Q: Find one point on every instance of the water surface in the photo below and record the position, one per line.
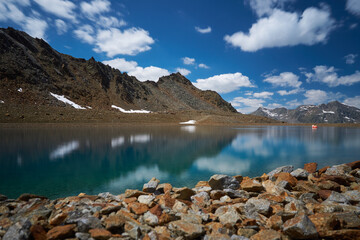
(61, 161)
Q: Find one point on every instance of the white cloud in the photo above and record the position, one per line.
(203, 30)
(353, 6)
(352, 26)
(188, 61)
(9, 11)
(329, 76)
(246, 105)
(285, 79)
(354, 101)
(319, 96)
(202, 65)
(35, 27)
(282, 29)
(224, 83)
(61, 26)
(350, 58)
(266, 7)
(183, 71)
(95, 7)
(315, 97)
(107, 22)
(263, 94)
(60, 8)
(127, 42)
(85, 33)
(142, 74)
(285, 93)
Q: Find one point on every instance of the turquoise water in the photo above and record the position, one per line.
(61, 161)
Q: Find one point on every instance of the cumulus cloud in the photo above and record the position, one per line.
(61, 26)
(60, 8)
(183, 71)
(266, 7)
(114, 41)
(263, 94)
(319, 96)
(285, 93)
(224, 83)
(354, 101)
(202, 65)
(282, 29)
(329, 76)
(285, 79)
(95, 7)
(33, 25)
(188, 61)
(246, 105)
(107, 22)
(353, 6)
(203, 30)
(350, 58)
(142, 74)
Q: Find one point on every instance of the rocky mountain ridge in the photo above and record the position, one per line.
(30, 70)
(332, 112)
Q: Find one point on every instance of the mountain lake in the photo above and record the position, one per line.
(57, 161)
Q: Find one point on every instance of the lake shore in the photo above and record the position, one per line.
(286, 203)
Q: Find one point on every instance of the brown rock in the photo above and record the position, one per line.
(324, 194)
(5, 223)
(323, 222)
(133, 193)
(272, 197)
(58, 219)
(300, 227)
(138, 208)
(217, 194)
(185, 229)
(183, 193)
(115, 223)
(214, 227)
(151, 186)
(130, 200)
(322, 170)
(61, 232)
(354, 165)
(311, 167)
(202, 184)
(284, 176)
(267, 235)
(163, 232)
(26, 197)
(100, 233)
(110, 208)
(329, 185)
(164, 187)
(246, 232)
(274, 222)
(342, 180)
(239, 178)
(166, 200)
(344, 234)
(38, 232)
(156, 210)
(251, 185)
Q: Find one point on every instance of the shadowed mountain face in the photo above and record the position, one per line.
(32, 65)
(333, 112)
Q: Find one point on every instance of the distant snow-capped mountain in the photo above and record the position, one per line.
(333, 112)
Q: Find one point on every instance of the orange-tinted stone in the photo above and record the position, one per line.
(310, 167)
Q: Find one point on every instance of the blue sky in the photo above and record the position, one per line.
(270, 53)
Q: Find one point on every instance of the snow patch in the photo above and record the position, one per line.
(189, 122)
(63, 99)
(64, 149)
(268, 112)
(129, 111)
(331, 112)
(1, 101)
(88, 107)
(20, 90)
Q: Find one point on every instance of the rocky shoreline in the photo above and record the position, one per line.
(287, 203)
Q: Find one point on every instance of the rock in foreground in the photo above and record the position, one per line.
(285, 204)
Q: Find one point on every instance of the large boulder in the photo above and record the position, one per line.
(300, 227)
(220, 182)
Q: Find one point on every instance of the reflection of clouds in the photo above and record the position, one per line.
(190, 129)
(251, 144)
(116, 142)
(223, 164)
(140, 138)
(64, 149)
(141, 175)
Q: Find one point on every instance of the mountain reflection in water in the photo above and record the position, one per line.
(63, 161)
